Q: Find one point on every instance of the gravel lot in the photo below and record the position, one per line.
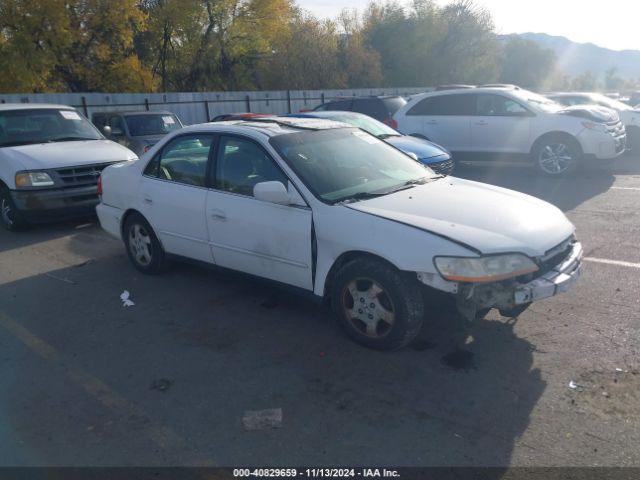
(168, 381)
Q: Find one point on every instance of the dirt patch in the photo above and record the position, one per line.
(608, 394)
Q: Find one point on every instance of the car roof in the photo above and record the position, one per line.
(268, 126)
(33, 106)
(134, 112)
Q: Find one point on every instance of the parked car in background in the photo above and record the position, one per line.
(441, 88)
(485, 123)
(239, 116)
(333, 210)
(630, 116)
(138, 131)
(434, 156)
(634, 100)
(50, 161)
(381, 107)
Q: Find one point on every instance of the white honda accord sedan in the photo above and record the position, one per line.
(335, 211)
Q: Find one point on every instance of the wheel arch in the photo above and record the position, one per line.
(555, 134)
(127, 214)
(345, 258)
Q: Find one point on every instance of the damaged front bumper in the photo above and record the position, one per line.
(513, 296)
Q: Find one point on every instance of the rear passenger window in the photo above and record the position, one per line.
(461, 105)
(183, 160)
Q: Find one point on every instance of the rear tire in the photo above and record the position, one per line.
(142, 245)
(556, 155)
(377, 305)
(9, 215)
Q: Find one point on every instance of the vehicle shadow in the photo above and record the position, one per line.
(566, 193)
(227, 344)
(43, 232)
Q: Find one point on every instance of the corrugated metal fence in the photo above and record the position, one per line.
(199, 107)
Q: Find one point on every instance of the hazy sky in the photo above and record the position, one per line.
(612, 24)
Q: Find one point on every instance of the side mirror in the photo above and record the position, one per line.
(274, 192)
(412, 155)
(106, 130)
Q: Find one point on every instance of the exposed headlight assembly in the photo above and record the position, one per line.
(493, 268)
(33, 179)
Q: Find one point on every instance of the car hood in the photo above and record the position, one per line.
(422, 148)
(595, 113)
(486, 218)
(66, 154)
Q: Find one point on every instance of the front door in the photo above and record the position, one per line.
(173, 195)
(249, 235)
(501, 125)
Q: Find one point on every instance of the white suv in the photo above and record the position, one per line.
(510, 121)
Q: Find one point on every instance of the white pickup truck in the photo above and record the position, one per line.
(50, 161)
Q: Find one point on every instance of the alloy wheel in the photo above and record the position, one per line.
(555, 158)
(368, 307)
(140, 244)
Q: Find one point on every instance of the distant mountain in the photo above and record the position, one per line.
(577, 58)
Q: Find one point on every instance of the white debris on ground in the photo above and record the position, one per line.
(126, 301)
(573, 385)
(262, 419)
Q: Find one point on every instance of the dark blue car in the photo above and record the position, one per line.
(434, 156)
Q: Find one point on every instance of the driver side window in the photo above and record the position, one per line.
(241, 164)
(499, 106)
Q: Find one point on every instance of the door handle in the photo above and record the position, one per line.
(218, 215)
(148, 200)
(432, 122)
(482, 122)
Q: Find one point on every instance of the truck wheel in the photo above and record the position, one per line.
(378, 306)
(555, 156)
(143, 247)
(9, 214)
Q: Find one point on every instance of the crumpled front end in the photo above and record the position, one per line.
(558, 271)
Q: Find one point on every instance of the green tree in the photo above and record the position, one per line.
(526, 64)
(306, 58)
(75, 45)
(586, 82)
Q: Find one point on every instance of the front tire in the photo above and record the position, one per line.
(142, 244)
(9, 215)
(377, 305)
(556, 156)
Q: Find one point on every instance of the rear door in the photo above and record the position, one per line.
(173, 195)
(445, 120)
(501, 125)
(253, 236)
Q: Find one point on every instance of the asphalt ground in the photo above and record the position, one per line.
(88, 382)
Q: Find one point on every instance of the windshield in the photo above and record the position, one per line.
(29, 126)
(538, 102)
(371, 125)
(345, 163)
(161, 124)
